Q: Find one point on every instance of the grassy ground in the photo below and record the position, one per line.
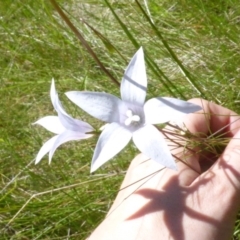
(63, 201)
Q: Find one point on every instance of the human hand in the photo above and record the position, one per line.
(186, 204)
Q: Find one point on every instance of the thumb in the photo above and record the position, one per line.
(221, 185)
(227, 169)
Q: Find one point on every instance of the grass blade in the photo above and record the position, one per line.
(83, 41)
(172, 54)
(153, 66)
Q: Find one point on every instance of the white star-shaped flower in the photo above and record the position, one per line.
(132, 118)
(66, 128)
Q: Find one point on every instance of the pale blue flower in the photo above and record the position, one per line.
(66, 128)
(132, 118)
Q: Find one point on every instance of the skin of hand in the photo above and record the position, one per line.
(183, 204)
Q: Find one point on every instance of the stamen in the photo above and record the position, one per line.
(129, 113)
(128, 121)
(131, 118)
(135, 118)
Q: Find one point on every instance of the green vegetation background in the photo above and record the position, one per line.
(192, 49)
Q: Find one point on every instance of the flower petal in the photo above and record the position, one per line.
(161, 110)
(53, 93)
(134, 82)
(66, 137)
(55, 100)
(45, 149)
(112, 140)
(70, 123)
(66, 120)
(152, 144)
(52, 124)
(102, 106)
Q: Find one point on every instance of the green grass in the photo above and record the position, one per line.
(200, 38)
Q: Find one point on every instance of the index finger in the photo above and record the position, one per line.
(212, 118)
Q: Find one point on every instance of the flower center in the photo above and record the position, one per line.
(131, 118)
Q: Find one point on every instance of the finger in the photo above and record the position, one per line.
(188, 167)
(221, 182)
(227, 168)
(212, 118)
(209, 120)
